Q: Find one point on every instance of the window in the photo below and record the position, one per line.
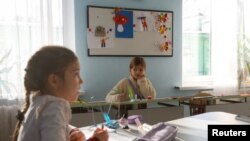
(25, 25)
(216, 45)
(196, 42)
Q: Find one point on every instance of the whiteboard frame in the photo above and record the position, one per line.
(99, 52)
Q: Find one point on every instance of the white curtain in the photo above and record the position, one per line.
(25, 25)
(244, 45)
(228, 19)
(224, 47)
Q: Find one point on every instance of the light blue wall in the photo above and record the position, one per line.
(102, 73)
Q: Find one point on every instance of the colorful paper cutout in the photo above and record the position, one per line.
(98, 40)
(144, 24)
(100, 31)
(124, 24)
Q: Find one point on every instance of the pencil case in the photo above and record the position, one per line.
(160, 132)
(131, 119)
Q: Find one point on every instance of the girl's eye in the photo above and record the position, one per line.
(76, 73)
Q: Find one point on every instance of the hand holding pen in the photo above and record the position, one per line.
(101, 134)
(76, 135)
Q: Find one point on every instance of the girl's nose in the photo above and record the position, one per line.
(81, 80)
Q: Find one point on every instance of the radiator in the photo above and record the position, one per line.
(7, 121)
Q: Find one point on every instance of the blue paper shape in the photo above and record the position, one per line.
(110, 123)
(127, 28)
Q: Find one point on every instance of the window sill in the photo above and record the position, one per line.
(188, 88)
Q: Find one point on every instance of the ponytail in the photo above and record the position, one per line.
(20, 116)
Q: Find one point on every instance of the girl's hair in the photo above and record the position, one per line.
(48, 60)
(136, 61)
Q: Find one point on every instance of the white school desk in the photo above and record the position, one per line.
(193, 128)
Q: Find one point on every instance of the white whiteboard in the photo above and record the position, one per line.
(105, 36)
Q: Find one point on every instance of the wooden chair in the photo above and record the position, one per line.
(197, 104)
(196, 109)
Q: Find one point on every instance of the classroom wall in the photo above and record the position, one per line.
(100, 74)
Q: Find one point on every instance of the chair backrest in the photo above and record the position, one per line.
(196, 109)
(8, 121)
(197, 104)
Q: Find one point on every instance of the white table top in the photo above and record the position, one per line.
(193, 128)
(114, 135)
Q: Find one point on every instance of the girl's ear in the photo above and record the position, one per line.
(53, 81)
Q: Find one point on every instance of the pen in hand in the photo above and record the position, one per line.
(123, 116)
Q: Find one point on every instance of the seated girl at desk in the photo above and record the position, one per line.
(51, 81)
(137, 81)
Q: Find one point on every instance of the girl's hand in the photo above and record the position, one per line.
(76, 135)
(101, 134)
(142, 80)
(121, 97)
